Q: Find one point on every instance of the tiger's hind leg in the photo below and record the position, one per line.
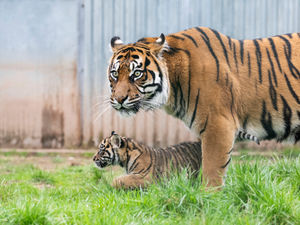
(217, 143)
(130, 181)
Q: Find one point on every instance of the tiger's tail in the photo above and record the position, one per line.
(244, 135)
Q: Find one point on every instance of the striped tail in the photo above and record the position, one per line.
(244, 135)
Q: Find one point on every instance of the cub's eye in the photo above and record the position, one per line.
(138, 74)
(114, 75)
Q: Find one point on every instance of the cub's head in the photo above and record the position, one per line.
(138, 75)
(110, 150)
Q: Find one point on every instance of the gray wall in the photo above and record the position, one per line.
(54, 54)
(39, 97)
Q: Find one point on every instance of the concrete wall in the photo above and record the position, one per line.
(39, 95)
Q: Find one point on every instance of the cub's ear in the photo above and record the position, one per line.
(116, 43)
(116, 141)
(159, 45)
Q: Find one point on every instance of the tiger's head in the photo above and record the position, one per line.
(138, 75)
(111, 151)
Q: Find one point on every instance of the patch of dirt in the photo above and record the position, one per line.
(46, 162)
(43, 185)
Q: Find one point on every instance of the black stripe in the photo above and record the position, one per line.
(146, 171)
(191, 154)
(232, 102)
(169, 160)
(298, 35)
(139, 50)
(226, 164)
(142, 39)
(176, 50)
(235, 59)
(288, 44)
(132, 168)
(195, 109)
(222, 44)
(174, 156)
(181, 111)
(289, 35)
(275, 53)
(226, 79)
(198, 150)
(287, 116)
(207, 42)
(298, 113)
(294, 71)
(191, 38)
(266, 121)
(147, 62)
(245, 122)
(204, 127)
(152, 74)
(154, 162)
(272, 92)
(272, 68)
(258, 59)
(249, 65)
(175, 97)
(189, 88)
(242, 50)
(127, 160)
(176, 37)
(291, 89)
(194, 164)
(159, 163)
(230, 151)
(229, 42)
(135, 163)
(180, 153)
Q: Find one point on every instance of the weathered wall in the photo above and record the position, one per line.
(39, 97)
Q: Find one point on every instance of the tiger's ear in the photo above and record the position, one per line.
(116, 43)
(116, 141)
(158, 45)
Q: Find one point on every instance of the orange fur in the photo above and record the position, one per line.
(217, 86)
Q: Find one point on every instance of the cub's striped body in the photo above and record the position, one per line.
(144, 164)
(217, 85)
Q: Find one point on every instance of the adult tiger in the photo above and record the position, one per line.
(215, 84)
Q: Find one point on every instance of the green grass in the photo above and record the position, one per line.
(257, 191)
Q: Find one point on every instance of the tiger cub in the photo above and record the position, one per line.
(143, 164)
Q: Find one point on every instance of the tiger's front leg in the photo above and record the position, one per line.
(130, 181)
(217, 142)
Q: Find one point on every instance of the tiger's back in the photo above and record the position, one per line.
(257, 81)
(163, 161)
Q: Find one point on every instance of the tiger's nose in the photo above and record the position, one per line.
(121, 99)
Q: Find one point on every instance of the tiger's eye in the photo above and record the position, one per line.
(114, 74)
(137, 73)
